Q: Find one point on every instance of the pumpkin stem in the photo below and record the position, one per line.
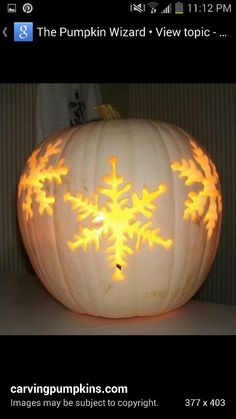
(107, 111)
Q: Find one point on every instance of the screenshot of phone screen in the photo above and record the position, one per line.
(117, 233)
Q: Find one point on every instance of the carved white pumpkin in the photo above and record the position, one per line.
(120, 218)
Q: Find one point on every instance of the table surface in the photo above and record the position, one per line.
(26, 308)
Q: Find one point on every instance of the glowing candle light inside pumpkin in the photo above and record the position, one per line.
(98, 220)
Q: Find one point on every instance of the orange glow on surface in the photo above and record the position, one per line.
(117, 220)
(39, 172)
(207, 203)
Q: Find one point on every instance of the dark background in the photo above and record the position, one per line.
(117, 60)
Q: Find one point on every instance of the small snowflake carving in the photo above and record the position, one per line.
(33, 183)
(207, 203)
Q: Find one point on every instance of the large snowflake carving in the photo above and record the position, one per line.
(117, 220)
(207, 203)
(33, 183)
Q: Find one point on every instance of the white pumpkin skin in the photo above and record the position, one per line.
(156, 280)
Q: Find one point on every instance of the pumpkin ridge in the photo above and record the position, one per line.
(73, 299)
(165, 301)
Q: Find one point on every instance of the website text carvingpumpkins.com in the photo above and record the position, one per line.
(72, 390)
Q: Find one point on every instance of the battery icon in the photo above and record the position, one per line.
(179, 8)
